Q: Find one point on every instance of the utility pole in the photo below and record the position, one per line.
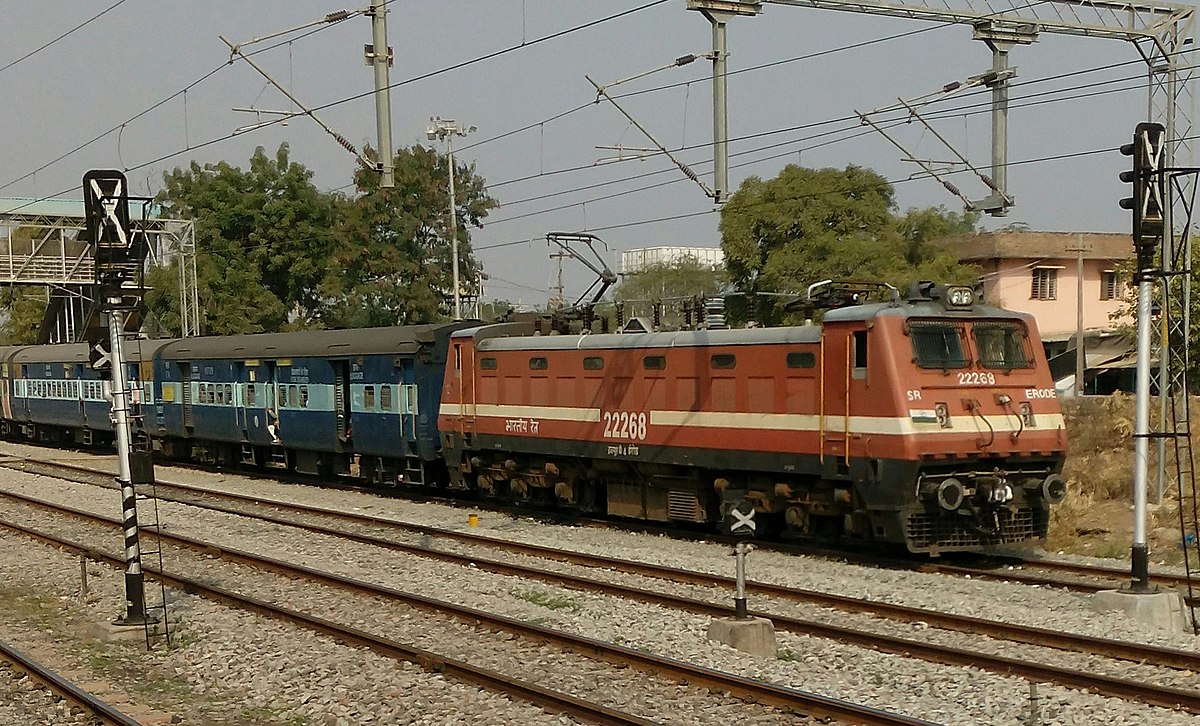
(447, 129)
(719, 13)
(379, 55)
(561, 299)
(1079, 248)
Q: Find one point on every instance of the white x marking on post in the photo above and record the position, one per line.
(110, 202)
(743, 521)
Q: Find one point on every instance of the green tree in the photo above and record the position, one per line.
(807, 225)
(23, 308)
(391, 263)
(263, 239)
(672, 284)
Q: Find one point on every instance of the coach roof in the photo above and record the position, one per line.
(404, 340)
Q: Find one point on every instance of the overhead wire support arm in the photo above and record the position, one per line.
(683, 167)
(866, 119)
(987, 180)
(335, 17)
(235, 50)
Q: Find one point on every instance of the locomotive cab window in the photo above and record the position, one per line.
(1003, 345)
(937, 344)
(654, 362)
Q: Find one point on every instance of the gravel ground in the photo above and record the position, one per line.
(949, 695)
(24, 701)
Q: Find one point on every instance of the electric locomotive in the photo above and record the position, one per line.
(929, 422)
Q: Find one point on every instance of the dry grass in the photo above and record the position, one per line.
(1096, 515)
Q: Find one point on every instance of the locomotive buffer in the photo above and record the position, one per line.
(753, 635)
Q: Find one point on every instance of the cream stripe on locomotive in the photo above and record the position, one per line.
(780, 421)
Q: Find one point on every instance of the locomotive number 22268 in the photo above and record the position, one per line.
(624, 425)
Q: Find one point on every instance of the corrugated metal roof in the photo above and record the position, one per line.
(61, 207)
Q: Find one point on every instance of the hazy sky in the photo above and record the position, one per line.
(144, 52)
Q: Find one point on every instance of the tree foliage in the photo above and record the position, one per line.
(392, 261)
(673, 284)
(275, 253)
(807, 225)
(23, 308)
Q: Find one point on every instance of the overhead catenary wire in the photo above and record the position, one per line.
(49, 43)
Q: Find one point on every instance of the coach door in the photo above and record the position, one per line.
(341, 399)
(5, 400)
(185, 375)
(239, 397)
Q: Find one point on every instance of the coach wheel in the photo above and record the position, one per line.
(950, 494)
(798, 520)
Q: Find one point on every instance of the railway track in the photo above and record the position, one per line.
(1127, 689)
(751, 690)
(101, 710)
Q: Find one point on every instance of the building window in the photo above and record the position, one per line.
(1108, 285)
(1045, 284)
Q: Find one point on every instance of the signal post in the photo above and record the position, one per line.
(118, 275)
(750, 634)
(1140, 600)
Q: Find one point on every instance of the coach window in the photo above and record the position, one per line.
(538, 364)
(724, 360)
(293, 395)
(385, 398)
(303, 396)
(283, 396)
(801, 360)
(251, 399)
(369, 397)
(487, 364)
(860, 354)
(229, 393)
(593, 363)
(654, 362)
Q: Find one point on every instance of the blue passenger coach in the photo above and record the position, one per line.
(321, 402)
(50, 393)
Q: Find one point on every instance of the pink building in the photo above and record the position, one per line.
(1038, 273)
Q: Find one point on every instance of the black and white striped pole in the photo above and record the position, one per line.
(135, 592)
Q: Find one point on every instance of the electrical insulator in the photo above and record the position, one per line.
(687, 314)
(620, 315)
(657, 307)
(751, 300)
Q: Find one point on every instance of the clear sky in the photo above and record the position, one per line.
(1071, 96)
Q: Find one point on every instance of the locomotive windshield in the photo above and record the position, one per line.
(1002, 344)
(938, 344)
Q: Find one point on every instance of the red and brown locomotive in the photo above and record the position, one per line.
(930, 421)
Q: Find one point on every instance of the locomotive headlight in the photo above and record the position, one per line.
(942, 412)
(1054, 489)
(1026, 411)
(960, 297)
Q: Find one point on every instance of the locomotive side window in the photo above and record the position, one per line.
(654, 362)
(487, 364)
(724, 360)
(593, 363)
(538, 364)
(860, 354)
(801, 360)
(1003, 345)
(937, 344)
